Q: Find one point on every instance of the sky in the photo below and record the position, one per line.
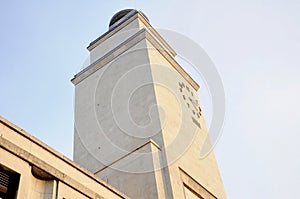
(254, 45)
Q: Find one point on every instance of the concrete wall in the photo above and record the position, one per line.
(131, 99)
(105, 129)
(182, 138)
(114, 40)
(45, 173)
(146, 182)
(116, 113)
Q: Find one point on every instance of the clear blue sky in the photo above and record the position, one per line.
(254, 44)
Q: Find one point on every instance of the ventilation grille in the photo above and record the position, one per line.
(4, 181)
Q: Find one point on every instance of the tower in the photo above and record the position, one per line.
(138, 122)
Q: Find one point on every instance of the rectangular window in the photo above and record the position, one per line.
(9, 183)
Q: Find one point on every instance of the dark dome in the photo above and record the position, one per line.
(119, 15)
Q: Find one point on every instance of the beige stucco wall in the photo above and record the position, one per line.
(67, 192)
(114, 40)
(182, 138)
(101, 110)
(19, 166)
(101, 138)
(139, 184)
(29, 186)
(19, 151)
(144, 83)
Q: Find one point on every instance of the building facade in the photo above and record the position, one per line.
(138, 128)
(29, 169)
(138, 121)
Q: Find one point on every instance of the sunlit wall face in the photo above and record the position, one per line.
(253, 44)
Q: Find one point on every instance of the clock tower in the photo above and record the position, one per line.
(138, 122)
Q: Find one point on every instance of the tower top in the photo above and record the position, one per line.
(122, 15)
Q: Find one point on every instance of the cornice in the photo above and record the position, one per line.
(126, 45)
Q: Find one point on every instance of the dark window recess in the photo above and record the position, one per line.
(9, 183)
